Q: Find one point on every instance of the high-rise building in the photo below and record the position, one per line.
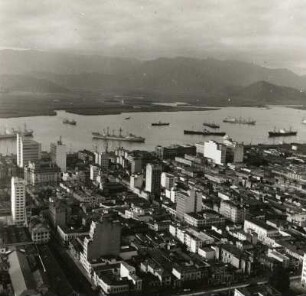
(188, 202)
(58, 154)
(18, 201)
(27, 150)
(104, 240)
(94, 172)
(153, 173)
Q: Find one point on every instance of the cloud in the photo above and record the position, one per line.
(267, 32)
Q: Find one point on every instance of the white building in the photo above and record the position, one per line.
(18, 201)
(27, 150)
(303, 275)
(214, 151)
(167, 180)
(153, 173)
(59, 154)
(94, 172)
(264, 231)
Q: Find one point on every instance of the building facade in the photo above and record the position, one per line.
(18, 201)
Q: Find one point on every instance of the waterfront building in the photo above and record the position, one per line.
(173, 151)
(27, 150)
(216, 152)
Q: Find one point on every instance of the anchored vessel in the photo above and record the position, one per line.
(205, 132)
(211, 125)
(240, 120)
(12, 133)
(159, 123)
(282, 133)
(117, 137)
(67, 121)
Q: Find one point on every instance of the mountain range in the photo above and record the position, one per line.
(205, 81)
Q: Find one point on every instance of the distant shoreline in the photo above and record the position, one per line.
(104, 111)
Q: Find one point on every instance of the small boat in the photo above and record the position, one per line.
(205, 132)
(211, 125)
(67, 121)
(303, 121)
(127, 118)
(282, 133)
(159, 123)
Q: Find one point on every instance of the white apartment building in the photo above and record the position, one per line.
(153, 177)
(27, 150)
(18, 201)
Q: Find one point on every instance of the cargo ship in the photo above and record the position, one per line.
(12, 133)
(205, 132)
(117, 137)
(240, 120)
(282, 133)
(211, 125)
(159, 123)
(67, 121)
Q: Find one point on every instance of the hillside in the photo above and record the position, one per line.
(29, 84)
(202, 81)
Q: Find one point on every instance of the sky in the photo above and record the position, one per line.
(267, 32)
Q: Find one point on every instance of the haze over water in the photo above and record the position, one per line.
(48, 129)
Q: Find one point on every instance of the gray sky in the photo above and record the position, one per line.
(267, 32)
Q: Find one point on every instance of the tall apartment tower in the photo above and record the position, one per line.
(18, 201)
(188, 202)
(153, 177)
(58, 154)
(27, 150)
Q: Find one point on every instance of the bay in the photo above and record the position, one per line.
(48, 129)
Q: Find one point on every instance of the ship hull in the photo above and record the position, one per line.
(135, 140)
(188, 132)
(160, 124)
(277, 134)
(211, 125)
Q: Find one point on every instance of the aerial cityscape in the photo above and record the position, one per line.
(152, 148)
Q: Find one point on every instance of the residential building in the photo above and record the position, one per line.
(18, 201)
(232, 211)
